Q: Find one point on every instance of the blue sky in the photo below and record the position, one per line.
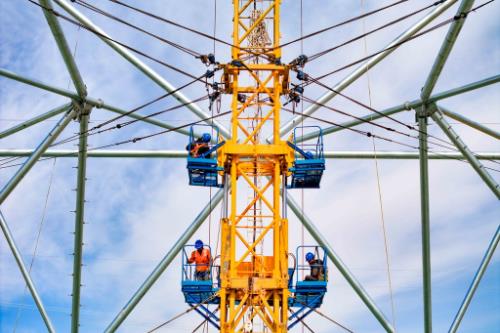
(137, 208)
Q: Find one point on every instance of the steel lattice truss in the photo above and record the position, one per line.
(80, 105)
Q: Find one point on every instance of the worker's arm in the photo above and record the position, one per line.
(191, 259)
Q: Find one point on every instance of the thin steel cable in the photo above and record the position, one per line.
(389, 129)
(379, 187)
(208, 299)
(422, 33)
(94, 131)
(37, 239)
(337, 25)
(444, 144)
(376, 136)
(133, 26)
(447, 145)
(128, 47)
(330, 319)
(304, 325)
(135, 139)
(365, 34)
(184, 27)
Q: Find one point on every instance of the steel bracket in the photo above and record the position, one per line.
(82, 109)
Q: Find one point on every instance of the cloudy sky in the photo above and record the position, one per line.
(137, 208)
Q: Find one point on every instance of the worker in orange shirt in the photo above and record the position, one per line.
(199, 146)
(201, 257)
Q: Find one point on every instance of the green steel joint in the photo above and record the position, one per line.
(82, 109)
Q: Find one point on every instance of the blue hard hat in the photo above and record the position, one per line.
(205, 137)
(309, 256)
(198, 244)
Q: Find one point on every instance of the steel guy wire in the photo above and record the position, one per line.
(94, 130)
(337, 25)
(389, 129)
(410, 127)
(444, 144)
(422, 33)
(386, 25)
(115, 18)
(376, 136)
(200, 33)
(133, 49)
(208, 299)
(134, 139)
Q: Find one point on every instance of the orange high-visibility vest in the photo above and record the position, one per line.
(202, 260)
(196, 147)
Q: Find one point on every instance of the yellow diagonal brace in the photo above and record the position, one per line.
(257, 190)
(243, 240)
(254, 244)
(266, 304)
(265, 318)
(256, 23)
(259, 126)
(240, 315)
(238, 308)
(249, 206)
(245, 6)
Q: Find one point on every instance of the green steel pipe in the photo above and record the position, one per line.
(363, 68)
(64, 49)
(38, 84)
(98, 103)
(458, 117)
(336, 155)
(425, 217)
(318, 236)
(28, 164)
(141, 66)
(25, 273)
(405, 106)
(34, 121)
(446, 47)
(160, 268)
(475, 282)
(468, 154)
(79, 222)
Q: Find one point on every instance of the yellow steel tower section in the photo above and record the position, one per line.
(254, 273)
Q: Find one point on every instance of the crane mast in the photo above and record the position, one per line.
(253, 277)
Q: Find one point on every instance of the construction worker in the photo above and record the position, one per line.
(317, 268)
(201, 257)
(200, 145)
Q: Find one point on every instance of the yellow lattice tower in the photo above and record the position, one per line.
(254, 286)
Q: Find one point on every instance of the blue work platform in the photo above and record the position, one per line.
(309, 162)
(199, 294)
(203, 169)
(306, 296)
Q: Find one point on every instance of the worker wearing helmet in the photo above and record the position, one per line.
(317, 268)
(201, 257)
(200, 146)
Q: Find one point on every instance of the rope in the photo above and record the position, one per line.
(379, 188)
(37, 239)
